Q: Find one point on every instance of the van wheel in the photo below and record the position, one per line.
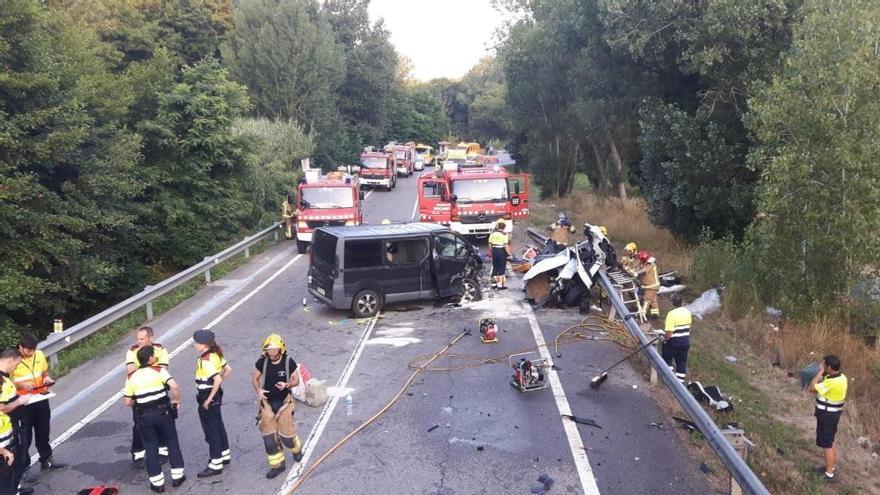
(302, 247)
(366, 303)
(471, 290)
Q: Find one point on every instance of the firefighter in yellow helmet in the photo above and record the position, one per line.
(628, 261)
(562, 230)
(649, 281)
(273, 380)
(604, 230)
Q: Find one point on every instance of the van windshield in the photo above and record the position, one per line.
(327, 197)
(373, 162)
(475, 190)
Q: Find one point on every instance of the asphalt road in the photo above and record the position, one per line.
(453, 432)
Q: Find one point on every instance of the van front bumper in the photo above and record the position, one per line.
(376, 182)
(304, 236)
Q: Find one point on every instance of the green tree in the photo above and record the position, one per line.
(818, 125)
(417, 115)
(285, 52)
(67, 171)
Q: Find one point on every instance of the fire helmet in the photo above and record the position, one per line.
(632, 247)
(644, 256)
(274, 341)
(603, 230)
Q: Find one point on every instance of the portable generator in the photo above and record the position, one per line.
(529, 372)
(488, 330)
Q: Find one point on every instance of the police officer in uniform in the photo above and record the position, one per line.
(31, 377)
(678, 337)
(273, 379)
(144, 337)
(154, 395)
(11, 430)
(211, 370)
(830, 386)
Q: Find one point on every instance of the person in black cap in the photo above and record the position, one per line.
(211, 370)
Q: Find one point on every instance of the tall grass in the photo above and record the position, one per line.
(627, 223)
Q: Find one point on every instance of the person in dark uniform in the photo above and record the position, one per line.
(211, 370)
(500, 245)
(144, 336)
(273, 379)
(155, 398)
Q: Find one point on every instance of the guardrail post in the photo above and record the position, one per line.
(275, 236)
(247, 252)
(742, 445)
(149, 311)
(208, 276)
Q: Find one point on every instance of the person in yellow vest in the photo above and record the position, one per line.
(650, 284)
(499, 243)
(144, 337)
(11, 405)
(155, 398)
(273, 379)
(31, 377)
(829, 385)
(677, 341)
(211, 370)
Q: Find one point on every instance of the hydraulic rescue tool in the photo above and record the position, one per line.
(528, 374)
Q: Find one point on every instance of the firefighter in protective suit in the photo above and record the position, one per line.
(562, 230)
(273, 379)
(649, 282)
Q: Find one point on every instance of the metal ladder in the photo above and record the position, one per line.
(629, 293)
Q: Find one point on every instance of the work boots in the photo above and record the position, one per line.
(209, 472)
(50, 464)
(275, 471)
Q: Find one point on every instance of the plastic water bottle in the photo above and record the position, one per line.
(349, 405)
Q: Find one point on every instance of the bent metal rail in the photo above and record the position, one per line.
(723, 449)
(57, 342)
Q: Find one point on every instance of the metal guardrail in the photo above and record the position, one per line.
(57, 342)
(735, 464)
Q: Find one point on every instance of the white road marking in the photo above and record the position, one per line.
(368, 194)
(581, 462)
(394, 341)
(415, 209)
(118, 395)
(324, 418)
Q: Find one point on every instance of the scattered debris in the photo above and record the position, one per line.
(774, 312)
(686, 424)
(538, 490)
(780, 451)
(864, 442)
(635, 386)
(710, 394)
(637, 458)
(705, 468)
(433, 428)
(708, 303)
(480, 448)
(659, 426)
(730, 359)
(582, 421)
(546, 480)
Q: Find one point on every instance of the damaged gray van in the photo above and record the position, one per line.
(364, 267)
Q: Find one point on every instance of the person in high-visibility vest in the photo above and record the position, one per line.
(830, 386)
(273, 380)
(499, 243)
(211, 370)
(677, 341)
(31, 377)
(144, 336)
(650, 283)
(155, 398)
(629, 260)
(10, 433)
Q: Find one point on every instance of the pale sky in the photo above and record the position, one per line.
(444, 38)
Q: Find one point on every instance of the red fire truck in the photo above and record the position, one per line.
(323, 201)
(471, 200)
(377, 169)
(404, 156)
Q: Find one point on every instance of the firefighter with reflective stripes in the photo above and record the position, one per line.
(629, 261)
(155, 397)
(31, 377)
(677, 341)
(649, 281)
(829, 385)
(211, 370)
(144, 337)
(11, 405)
(273, 379)
(561, 230)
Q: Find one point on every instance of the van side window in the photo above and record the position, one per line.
(450, 246)
(363, 254)
(406, 251)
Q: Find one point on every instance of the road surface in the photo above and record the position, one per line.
(458, 432)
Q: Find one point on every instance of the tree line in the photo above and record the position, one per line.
(137, 137)
(752, 126)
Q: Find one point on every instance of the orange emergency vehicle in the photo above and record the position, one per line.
(323, 201)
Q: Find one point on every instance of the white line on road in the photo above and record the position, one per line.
(415, 209)
(581, 462)
(324, 418)
(368, 194)
(118, 395)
